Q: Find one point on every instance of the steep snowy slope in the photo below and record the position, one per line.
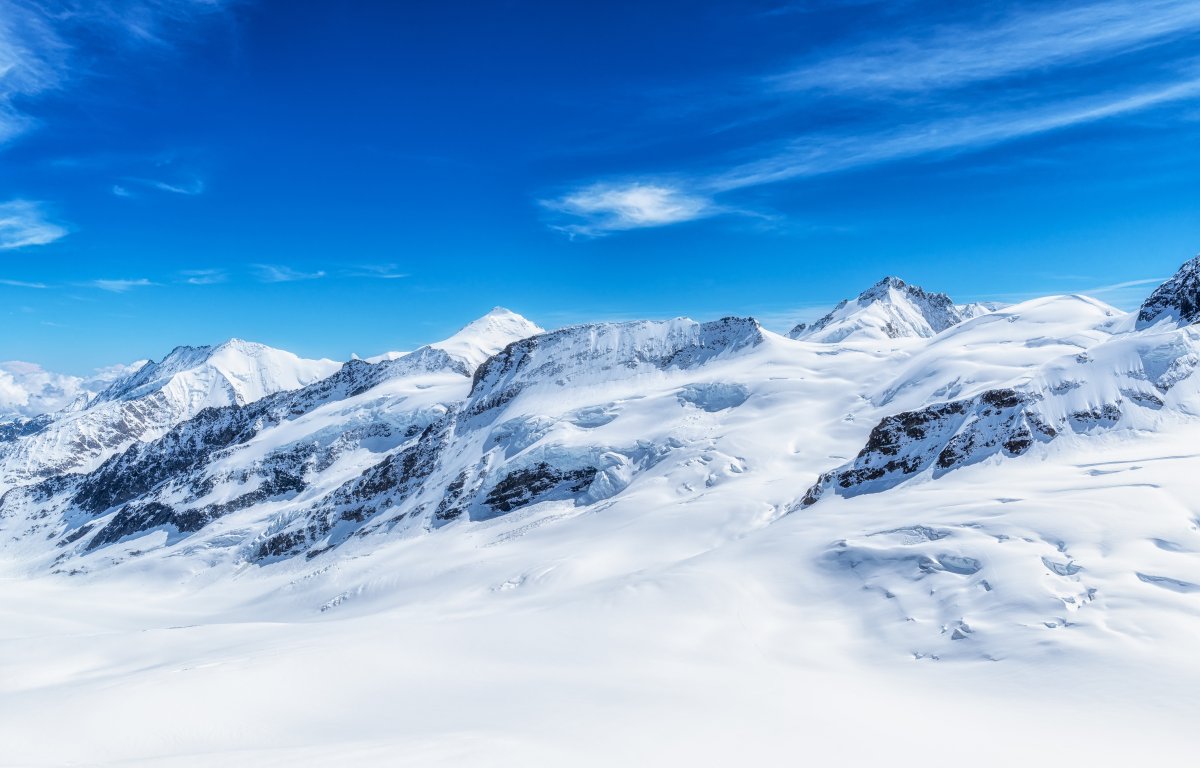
(890, 309)
(484, 337)
(1175, 301)
(146, 402)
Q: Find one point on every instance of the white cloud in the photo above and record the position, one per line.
(204, 276)
(32, 61)
(275, 273)
(120, 286)
(37, 50)
(953, 56)
(27, 389)
(907, 98)
(24, 223)
(22, 284)
(608, 207)
(817, 155)
(192, 187)
(378, 272)
(603, 208)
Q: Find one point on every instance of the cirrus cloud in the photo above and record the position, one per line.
(24, 223)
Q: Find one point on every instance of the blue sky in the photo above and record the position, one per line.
(335, 178)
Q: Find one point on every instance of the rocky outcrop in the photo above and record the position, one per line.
(1177, 299)
(943, 437)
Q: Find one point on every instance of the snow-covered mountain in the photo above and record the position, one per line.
(890, 309)
(1177, 300)
(1007, 484)
(145, 402)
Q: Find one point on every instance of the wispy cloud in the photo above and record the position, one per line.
(611, 207)
(32, 61)
(816, 155)
(276, 273)
(188, 187)
(377, 272)
(957, 55)
(38, 43)
(204, 276)
(24, 223)
(1127, 284)
(920, 95)
(121, 286)
(22, 284)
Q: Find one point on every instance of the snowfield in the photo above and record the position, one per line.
(919, 533)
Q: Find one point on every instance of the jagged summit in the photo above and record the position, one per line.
(889, 309)
(1177, 299)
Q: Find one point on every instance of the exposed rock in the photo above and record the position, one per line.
(1177, 299)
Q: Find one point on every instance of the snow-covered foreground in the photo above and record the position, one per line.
(531, 652)
(963, 535)
(591, 638)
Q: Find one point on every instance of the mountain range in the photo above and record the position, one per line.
(971, 483)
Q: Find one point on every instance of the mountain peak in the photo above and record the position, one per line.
(234, 371)
(889, 309)
(1177, 299)
(481, 338)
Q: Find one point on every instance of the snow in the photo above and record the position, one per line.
(148, 399)
(482, 338)
(205, 377)
(890, 309)
(655, 594)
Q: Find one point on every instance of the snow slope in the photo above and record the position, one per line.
(649, 542)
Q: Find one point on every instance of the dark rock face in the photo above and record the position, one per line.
(18, 428)
(137, 519)
(378, 489)
(944, 436)
(540, 482)
(131, 482)
(1178, 298)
